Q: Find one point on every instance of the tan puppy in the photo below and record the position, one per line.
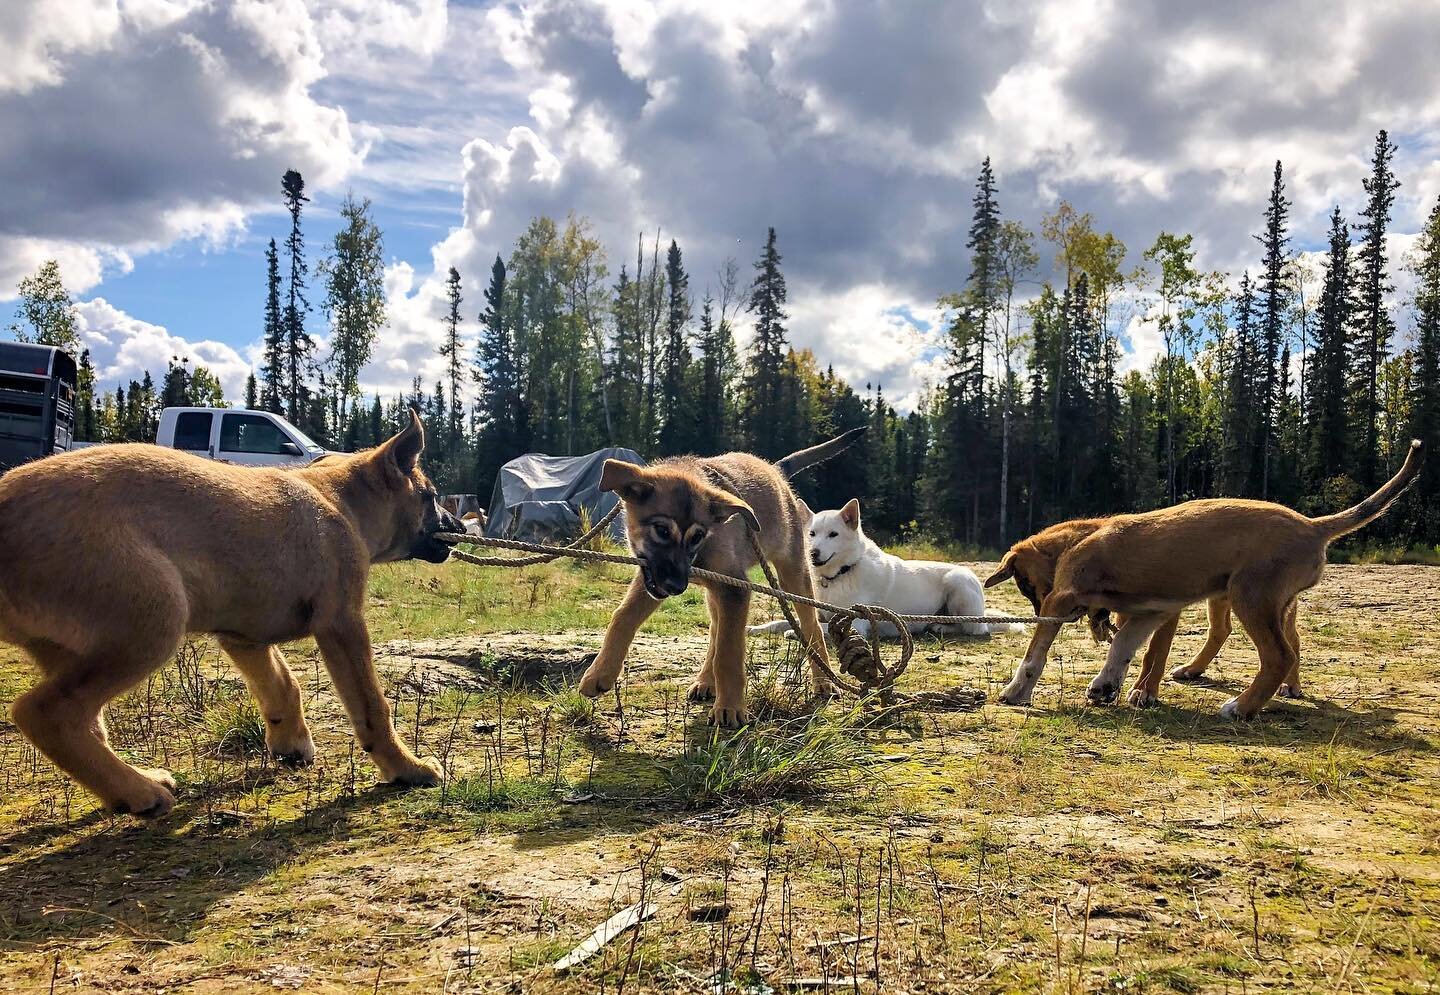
(257, 556)
(1148, 567)
(687, 512)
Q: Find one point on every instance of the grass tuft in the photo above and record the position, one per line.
(801, 757)
(236, 727)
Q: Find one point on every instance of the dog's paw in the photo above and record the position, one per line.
(1102, 694)
(729, 716)
(152, 796)
(792, 635)
(1291, 691)
(1141, 698)
(1015, 697)
(294, 753)
(701, 691)
(593, 683)
(1182, 675)
(419, 774)
(1231, 710)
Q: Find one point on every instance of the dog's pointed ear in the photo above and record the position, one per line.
(804, 508)
(404, 448)
(1005, 571)
(724, 506)
(850, 514)
(625, 479)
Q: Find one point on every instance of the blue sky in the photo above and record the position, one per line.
(146, 139)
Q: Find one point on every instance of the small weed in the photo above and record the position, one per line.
(236, 727)
(793, 758)
(483, 794)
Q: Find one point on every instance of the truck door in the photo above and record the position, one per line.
(255, 440)
(192, 432)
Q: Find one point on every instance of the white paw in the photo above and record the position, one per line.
(792, 635)
(1231, 709)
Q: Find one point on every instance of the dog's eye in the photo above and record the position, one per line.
(812, 535)
(696, 538)
(661, 535)
(834, 534)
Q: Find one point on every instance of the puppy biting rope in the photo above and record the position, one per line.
(859, 658)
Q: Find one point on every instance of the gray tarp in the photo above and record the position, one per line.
(539, 498)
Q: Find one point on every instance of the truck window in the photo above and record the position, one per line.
(251, 434)
(192, 430)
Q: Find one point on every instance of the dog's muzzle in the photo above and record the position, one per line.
(662, 580)
(434, 550)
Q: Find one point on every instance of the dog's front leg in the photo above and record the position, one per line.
(1018, 691)
(729, 609)
(604, 671)
(1146, 691)
(1131, 635)
(345, 647)
(273, 685)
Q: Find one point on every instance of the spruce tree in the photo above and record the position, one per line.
(767, 353)
(272, 365)
(451, 351)
(503, 427)
(676, 408)
(1328, 414)
(1373, 325)
(297, 346)
(1273, 303)
(1425, 377)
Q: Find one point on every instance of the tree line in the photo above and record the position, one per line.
(1282, 382)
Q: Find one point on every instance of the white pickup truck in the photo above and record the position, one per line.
(236, 435)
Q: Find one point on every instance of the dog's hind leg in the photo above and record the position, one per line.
(1147, 686)
(1264, 620)
(604, 670)
(1291, 687)
(1131, 635)
(345, 648)
(62, 717)
(1218, 609)
(273, 685)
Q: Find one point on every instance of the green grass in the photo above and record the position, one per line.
(961, 846)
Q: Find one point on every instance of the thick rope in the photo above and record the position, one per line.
(858, 657)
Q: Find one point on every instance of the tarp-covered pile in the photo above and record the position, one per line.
(541, 498)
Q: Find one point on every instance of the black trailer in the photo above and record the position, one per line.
(37, 402)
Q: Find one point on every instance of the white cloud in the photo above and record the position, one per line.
(124, 348)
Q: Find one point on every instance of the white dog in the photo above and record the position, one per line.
(849, 569)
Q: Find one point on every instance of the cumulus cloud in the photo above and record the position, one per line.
(157, 122)
(855, 129)
(124, 347)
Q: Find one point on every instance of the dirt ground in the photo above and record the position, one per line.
(1056, 848)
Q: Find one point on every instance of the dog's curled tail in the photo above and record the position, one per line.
(1344, 522)
(806, 458)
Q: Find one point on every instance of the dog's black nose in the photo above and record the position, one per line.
(449, 523)
(674, 585)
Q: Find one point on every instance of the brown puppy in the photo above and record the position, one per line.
(257, 556)
(688, 512)
(1149, 566)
